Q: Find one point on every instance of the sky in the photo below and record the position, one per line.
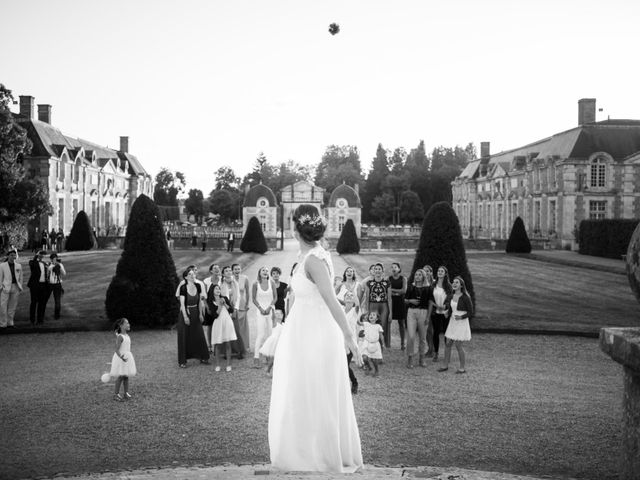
(200, 84)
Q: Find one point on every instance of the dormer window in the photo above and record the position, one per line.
(598, 171)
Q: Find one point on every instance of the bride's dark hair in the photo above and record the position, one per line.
(309, 224)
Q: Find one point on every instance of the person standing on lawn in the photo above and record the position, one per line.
(123, 365)
(38, 287)
(56, 272)
(223, 332)
(230, 289)
(417, 300)
(264, 298)
(281, 289)
(429, 281)
(243, 306)
(312, 422)
(460, 306)
(212, 280)
(439, 321)
(349, 284)
(398, 283)
(191, 341)
(231, 238)
(351, 312)
(378, 294)
(10, 288)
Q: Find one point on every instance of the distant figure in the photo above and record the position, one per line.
(59, 240)
(38, 287)
(230, 239)
(56, 272)
(194, 238)
(169, 240)
(10, 288)
(204, 240)
(44, 242)
(52, 239)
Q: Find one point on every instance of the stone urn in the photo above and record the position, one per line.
(623, 346)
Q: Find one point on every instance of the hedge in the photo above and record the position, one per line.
(605, 238)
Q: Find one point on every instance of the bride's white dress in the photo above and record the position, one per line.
(312, 423)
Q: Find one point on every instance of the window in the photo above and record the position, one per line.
(263, 222)
(94, 213)
(552, 216)
(514, 212)
(598, 173)
(536, 215)
(500, 220)
(341, 222)
(514, 183)
(536, 178)
(597, 209)
(74, 207)
(61, 213)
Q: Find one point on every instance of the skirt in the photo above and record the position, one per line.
(269, 346)
(458, 330)
(223, 329)
(120, 368)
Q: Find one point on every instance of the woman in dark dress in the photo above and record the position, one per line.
(191, 341)
(398, 310)
(281, 289)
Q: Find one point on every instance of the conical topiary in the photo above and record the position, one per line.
(81, 235)
(518, 239)
(253, 239)
(441, 244)
(348, 241)
(143, 288)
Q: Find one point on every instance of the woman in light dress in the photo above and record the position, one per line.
(264, 298)
(312, 422)
(460, 308)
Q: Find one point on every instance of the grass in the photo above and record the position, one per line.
(515, 292)
(536, 405)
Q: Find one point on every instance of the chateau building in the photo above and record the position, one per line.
(591, 171)
(80, 175)
(261, 202)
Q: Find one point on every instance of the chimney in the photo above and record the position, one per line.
(485, 149)
(586, 110)
(124, 144)
(27, 105)
(44, 113)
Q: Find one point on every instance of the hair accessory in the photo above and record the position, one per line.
(316, 220)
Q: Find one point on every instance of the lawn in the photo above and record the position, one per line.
(538, 405)
(514, 292)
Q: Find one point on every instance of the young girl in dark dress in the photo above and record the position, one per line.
(191, 341)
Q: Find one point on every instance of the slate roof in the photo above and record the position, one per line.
(619, 138)
(348, 193)
(257, 191)
(48, 141)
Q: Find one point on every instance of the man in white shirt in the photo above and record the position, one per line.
(10, 288)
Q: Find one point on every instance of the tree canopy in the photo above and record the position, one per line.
(168, 186)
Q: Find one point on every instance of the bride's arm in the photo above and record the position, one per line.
(318, 272)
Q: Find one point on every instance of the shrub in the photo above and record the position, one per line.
(605, 238)
(348, 241)
(518, 239)
(253, 239)
(441, 244)
(143, 288)
(81, 236)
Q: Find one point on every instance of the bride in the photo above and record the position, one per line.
(312, 423)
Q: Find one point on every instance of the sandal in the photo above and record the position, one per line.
(118, 398)
(127, 396)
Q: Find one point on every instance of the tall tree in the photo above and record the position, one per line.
(339, 164)
(383, 207)
(143, 288)
(417, 168)
(21, 198)
(226, 203)
(396, 185)
(397, 161)
(168, 186)
(411, 209)
(194, 204)
(262, 172)
(225, 177)
(375, 181)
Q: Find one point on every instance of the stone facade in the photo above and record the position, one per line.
(80, 175)
(589, 172)
(260, 202)
(295, 195)
(344, 204)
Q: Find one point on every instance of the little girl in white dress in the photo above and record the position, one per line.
(123, 365)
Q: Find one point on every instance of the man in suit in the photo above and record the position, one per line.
(38, 287)
(10, 288)
(230, 239)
